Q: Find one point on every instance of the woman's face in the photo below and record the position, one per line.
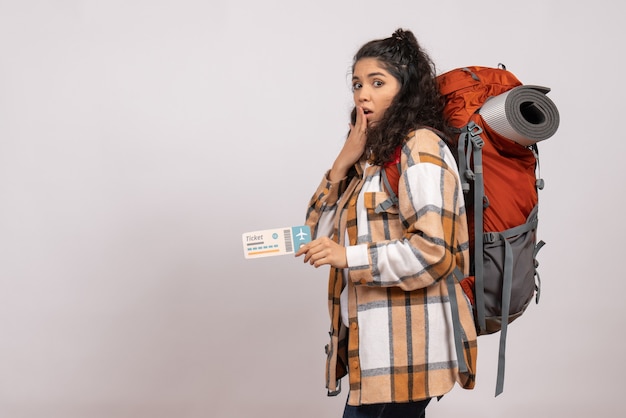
(373, 88)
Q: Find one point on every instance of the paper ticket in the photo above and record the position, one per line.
(279, 241)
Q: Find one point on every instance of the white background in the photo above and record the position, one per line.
(140, 139)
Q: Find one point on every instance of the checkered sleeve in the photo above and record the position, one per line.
(432, 214)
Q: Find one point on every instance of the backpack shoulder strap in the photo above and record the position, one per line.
(470, 146)
(392, 191)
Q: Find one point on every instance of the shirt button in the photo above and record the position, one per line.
(355, 364)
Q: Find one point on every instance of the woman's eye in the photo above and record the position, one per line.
(378, 83)
(356, 86)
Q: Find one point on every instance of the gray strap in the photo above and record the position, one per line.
(538, 284)
(463, 161)
(467, 70)
(491, 237)
(336, 391)
(537, 248)
(507, 286)
(456, 321)
(383, 206)
(507, 282)
(475, 143)
(393, 198)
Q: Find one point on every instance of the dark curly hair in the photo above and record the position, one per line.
(418, 103)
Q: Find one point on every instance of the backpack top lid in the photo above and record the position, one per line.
(466, 89)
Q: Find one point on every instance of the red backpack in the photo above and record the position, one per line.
(497, 121)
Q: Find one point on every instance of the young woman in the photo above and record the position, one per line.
(391, 327)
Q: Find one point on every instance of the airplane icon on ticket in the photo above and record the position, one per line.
(302, 235)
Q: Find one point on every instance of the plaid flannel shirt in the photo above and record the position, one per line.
(399, 345)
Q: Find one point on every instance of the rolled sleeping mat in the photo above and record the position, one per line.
(523, 114)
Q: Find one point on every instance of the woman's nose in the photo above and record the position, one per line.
(363, 96)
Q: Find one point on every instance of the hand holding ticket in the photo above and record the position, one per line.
(279, 241)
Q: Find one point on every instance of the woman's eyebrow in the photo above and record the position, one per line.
(370, 75)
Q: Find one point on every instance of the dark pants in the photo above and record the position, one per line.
(387, 410)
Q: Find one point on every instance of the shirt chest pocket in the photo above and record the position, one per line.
(379, 204)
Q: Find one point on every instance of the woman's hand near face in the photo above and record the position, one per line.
(352, 149)
(324, 251)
